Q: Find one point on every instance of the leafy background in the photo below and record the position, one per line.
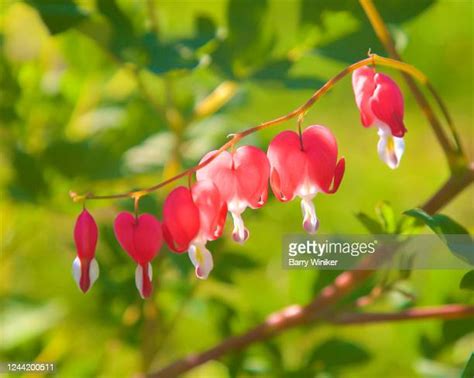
(110, 95)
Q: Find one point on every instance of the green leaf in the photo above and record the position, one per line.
(386, 215)
(467, 282)
(312, 12)
(355, 42)
(250, 39)
(392, 12)
(31, 186)
(371, 224)
(59, 15)
(230, 263)
(205, 32)
(454, 329)
(23, 321)
(83, 159)
(10, 94)
(245, 19)
(336, 353)
(468, 371)
(116, 17)
(164, 57)
(278, 70)
(123, 41)
(448, 231)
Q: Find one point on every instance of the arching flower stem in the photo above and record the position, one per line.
(298, 112)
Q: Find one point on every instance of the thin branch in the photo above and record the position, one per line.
(450, 189)
(384, 36)
(452, 311)
(297, 315)
(371, 60)
(288, 317)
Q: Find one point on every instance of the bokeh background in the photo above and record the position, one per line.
(107, 96)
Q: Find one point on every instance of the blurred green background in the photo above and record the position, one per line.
(106, 96)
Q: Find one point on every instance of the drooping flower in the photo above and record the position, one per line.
(242, 180)
(141, 237)
(85, 267)
(191, 218)
(304, 167)
(380, 103)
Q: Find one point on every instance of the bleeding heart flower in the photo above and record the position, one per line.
(141, 238)
(380, 102)
(85, 267)
(191, 218)
(304, 167)
(242, 180)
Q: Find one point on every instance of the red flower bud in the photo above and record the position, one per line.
(85, 267)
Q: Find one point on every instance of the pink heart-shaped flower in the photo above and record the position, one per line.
(141, 238)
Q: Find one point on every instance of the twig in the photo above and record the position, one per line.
(450, 189)
(372, 59)
(453, 311)
(296, 315)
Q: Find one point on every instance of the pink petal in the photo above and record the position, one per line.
(220, 172)
(141, 238)
(180, 219)
(321, 148)
(387, 104)
(338, 174)
(288, 165)
(239, 176)
(363, 85)
(212, 209)
(252, 170)
(315, 165)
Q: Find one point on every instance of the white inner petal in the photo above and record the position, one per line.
(237, 206)
(201, 259)
(76, 270)
(240, 233)
(93, 272)
(139, 277)
(390, 148)
(310, 220)
(307, 190)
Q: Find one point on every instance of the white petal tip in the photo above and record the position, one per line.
(201, 275)
(311, 227)
(93, 271)
(143, 280)
(201, 259)
(310, 220)
(84, 277)
(240, 236)
(390, 150)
